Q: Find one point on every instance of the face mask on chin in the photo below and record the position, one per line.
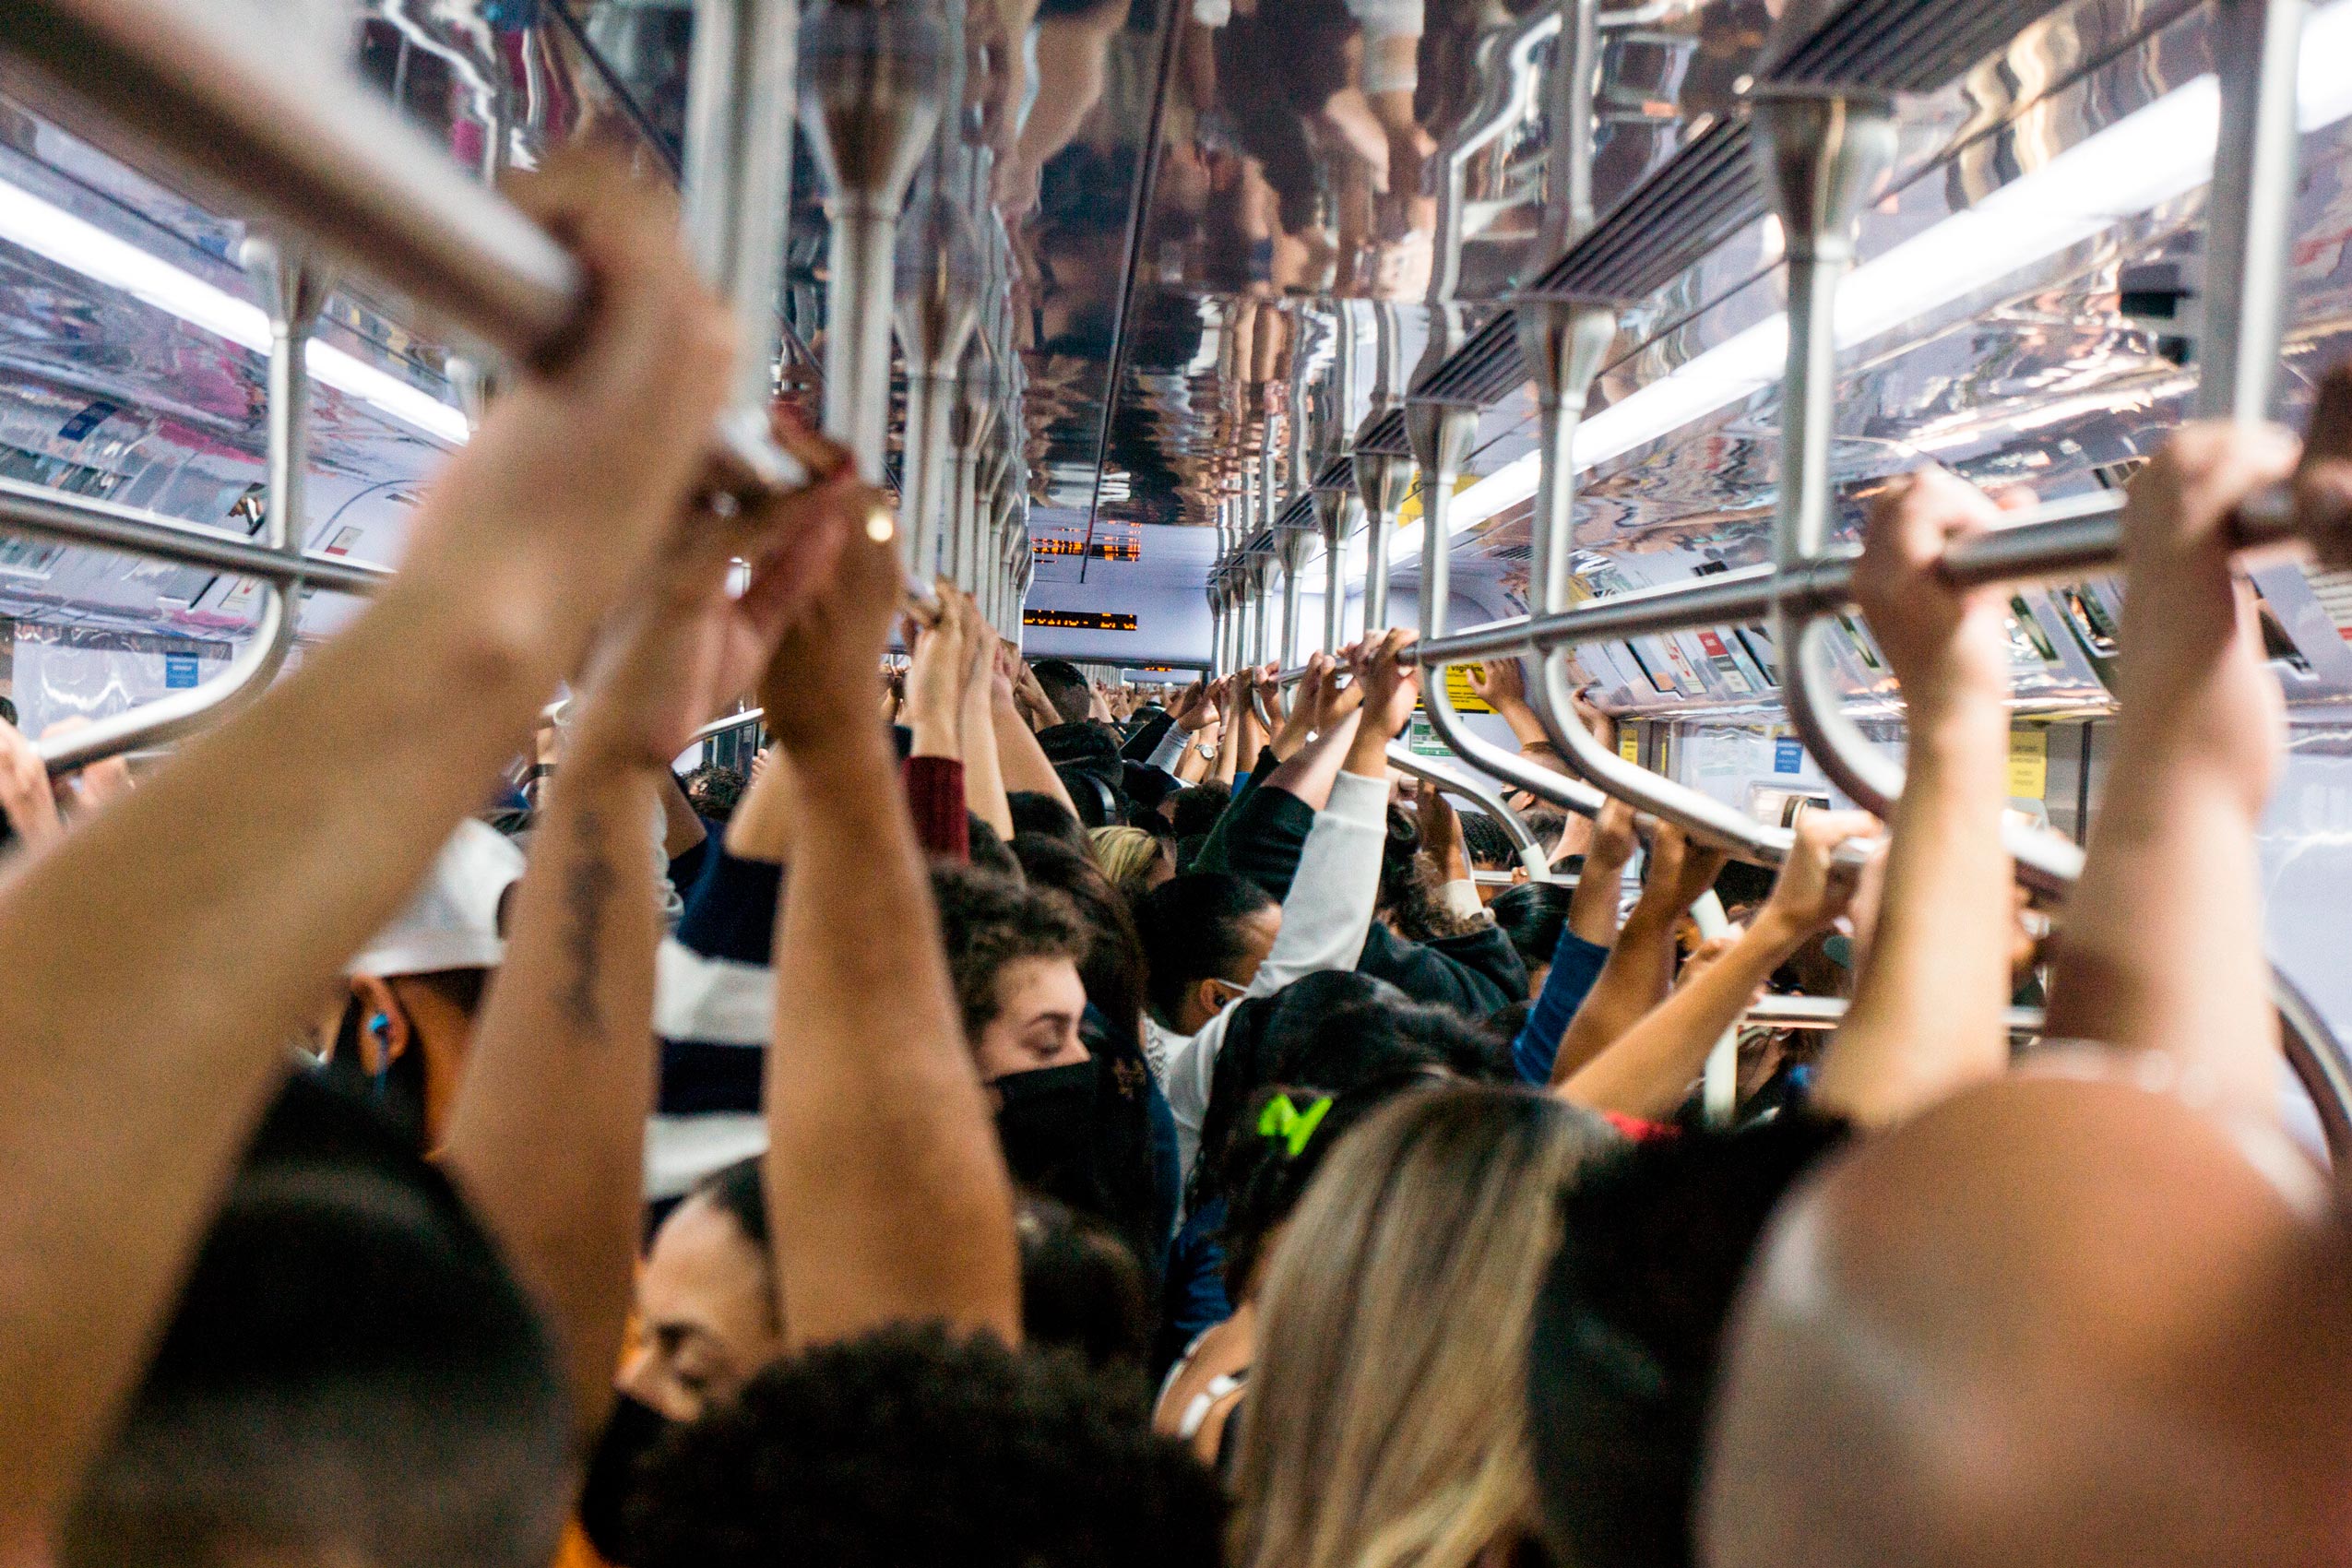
(633, 1431)
(1045, 1120)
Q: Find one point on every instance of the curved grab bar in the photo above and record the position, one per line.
(1819, 153)
(1532, 855)
(1441, 439)
(293, 292)
(725, 722)
(1564, 340)
(2320, 1063)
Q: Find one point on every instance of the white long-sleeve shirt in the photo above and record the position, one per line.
(1325, 921)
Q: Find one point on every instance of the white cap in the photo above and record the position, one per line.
(452, 923)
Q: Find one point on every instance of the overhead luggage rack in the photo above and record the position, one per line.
(1707, 191)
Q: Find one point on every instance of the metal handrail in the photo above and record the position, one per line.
(1773, 1012)
(81, 519)
(725, 722)
(1532, 854)
(2063, 542)
(1442, 438)
(293, 292)
(1820, 153)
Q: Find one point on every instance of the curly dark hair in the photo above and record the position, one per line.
(988, 921)
(912, 1446)
(715, 791)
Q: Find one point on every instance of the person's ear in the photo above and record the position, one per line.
(384, 1030)
(1215, 994)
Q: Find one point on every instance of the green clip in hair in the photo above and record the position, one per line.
(1280, 1119)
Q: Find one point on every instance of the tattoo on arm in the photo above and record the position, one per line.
(587, 889)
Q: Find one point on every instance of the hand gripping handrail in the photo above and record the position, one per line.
(292, 292)
(309, 154)
(1532, 854)
(2062, 540)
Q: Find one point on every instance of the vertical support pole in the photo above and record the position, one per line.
(870, 82)
(292, 292)
(1819, 151)
(1331, 511)
(2250, 210)
(1441, 435)
(739, 107)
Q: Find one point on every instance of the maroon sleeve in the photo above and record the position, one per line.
(935, 796)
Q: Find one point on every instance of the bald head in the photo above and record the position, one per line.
(2050, 1321)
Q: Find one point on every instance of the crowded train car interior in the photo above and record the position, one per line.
(1192, 783)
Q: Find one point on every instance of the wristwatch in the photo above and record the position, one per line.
(1206, 749)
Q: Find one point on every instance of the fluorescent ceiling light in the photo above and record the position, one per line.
(58, 236)
(2160, 151)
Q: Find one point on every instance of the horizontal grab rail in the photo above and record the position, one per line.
(1828, 1012)
(2078, 537)
(79, 519)
(725, 722)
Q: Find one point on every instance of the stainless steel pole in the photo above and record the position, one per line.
(871, 80)
(1820, 153)
(292, 292)
(739, 105)
(2249, 221)
(1382, 479)
(1442, 435)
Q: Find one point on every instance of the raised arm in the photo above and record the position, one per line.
(887, 1197)
(562, 1058)
(1229, 695)
(983, 763)
(294, 830)
(2161, 947)
(1310, 769)
(1927, 1012)
(1329, 911)
(1647, 1070)
(1592, 907)
(1022, 760)
(1641, 964)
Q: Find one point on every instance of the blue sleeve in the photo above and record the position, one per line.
(1167, 1168)
(1192, 1298)
(1575, 963)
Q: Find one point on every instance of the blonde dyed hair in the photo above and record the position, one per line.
(1126, 856)
(1385, 1422)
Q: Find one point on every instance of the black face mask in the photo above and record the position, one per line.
(1046, 1122)
(634, 1431)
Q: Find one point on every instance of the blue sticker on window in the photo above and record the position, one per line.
(178, 671)
(1789, 754)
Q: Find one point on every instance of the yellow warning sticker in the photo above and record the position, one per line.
(1629, 742)
(2028, 763)
(1458, 686)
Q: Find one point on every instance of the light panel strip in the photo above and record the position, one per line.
(60, 237)
(2158, 152)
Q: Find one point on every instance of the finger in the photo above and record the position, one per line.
(821, 457)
